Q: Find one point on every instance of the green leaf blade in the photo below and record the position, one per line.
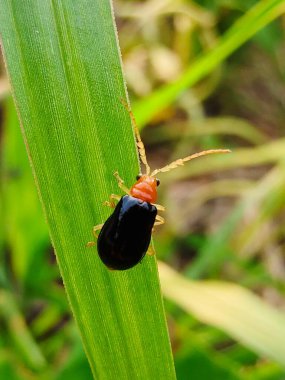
(249, 24)
(65, 72)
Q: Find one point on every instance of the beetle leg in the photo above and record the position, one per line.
(91, 244)
(112, 204)
(159, 207)
(121, 183)
(97, 228)
(115, 196)
(151, 251)
(109, 204)
(158, 220)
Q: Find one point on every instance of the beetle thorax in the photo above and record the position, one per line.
(145, 189)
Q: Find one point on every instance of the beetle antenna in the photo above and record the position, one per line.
(181, 161)
(140, 144)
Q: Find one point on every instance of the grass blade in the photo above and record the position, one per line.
(65, 72)
(19, 332)
(249, 24)
(231, 308)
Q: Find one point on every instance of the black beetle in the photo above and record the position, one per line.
(125, 237)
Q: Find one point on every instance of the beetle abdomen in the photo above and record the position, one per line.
(125, 236)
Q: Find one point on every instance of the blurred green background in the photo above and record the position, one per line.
(224, 220)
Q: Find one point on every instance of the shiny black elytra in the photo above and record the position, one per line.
(124, 238)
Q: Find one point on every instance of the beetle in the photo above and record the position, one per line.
(124, 239)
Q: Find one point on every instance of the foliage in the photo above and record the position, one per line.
(225, 215)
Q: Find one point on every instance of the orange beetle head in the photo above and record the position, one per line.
(145, 188)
